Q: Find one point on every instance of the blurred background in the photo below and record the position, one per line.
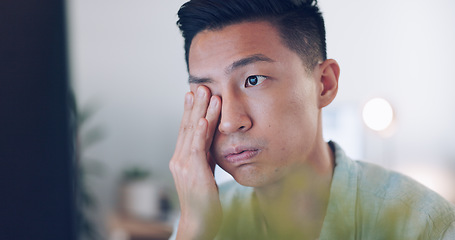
(129, 77)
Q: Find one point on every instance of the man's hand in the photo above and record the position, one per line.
(192, 167)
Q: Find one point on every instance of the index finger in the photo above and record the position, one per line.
(212, 116)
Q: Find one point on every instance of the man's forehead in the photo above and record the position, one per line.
(245, 34)
(234, 46)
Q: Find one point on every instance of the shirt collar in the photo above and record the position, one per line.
(340, 216)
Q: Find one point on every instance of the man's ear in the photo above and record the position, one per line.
(329, 72)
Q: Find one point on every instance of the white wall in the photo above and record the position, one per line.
(403, 51)
(127, 56)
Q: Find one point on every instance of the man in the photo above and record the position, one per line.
(259, 77)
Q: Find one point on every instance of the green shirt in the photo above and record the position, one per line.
(366, 202)
(369, 202)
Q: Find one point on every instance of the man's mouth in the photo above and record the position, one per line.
(240, 155)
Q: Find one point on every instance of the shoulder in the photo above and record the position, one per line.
(401, 200)
(383, 199)
(386, 184)
(376, 181)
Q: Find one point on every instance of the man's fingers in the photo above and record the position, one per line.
(200, 114)
(198, 151)
(213, 114)
(198, 111)
(201, 103)
(188, 107)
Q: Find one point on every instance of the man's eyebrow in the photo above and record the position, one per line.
(248, 60)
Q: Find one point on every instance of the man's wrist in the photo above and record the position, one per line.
(194, 230)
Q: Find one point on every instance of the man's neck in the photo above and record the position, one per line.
(295, 207)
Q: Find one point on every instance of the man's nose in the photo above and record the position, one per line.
(234, 115)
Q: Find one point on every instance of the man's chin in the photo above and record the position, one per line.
(250, 175)
(249, 180)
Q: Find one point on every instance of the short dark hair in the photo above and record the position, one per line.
(299, 22)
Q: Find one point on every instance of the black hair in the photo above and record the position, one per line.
(299, 22)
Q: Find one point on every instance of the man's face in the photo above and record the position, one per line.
(269, 119)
